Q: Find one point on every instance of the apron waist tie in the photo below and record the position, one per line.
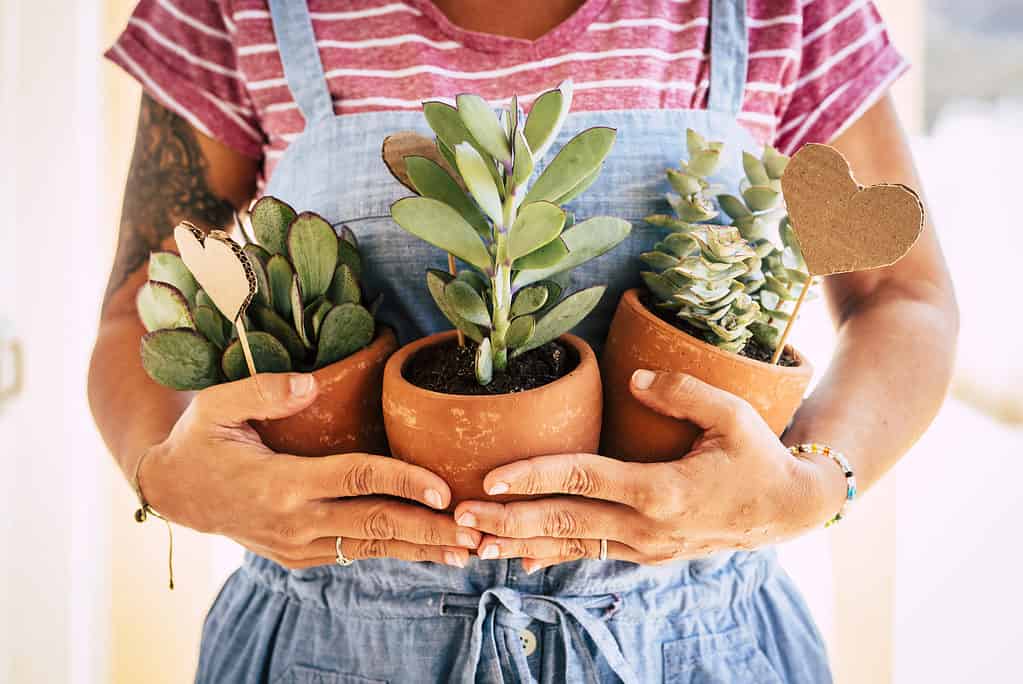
(571, 615)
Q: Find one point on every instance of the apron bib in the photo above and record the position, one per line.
(733, 617)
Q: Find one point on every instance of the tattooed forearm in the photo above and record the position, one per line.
(166, 183)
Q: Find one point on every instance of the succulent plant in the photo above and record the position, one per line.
(515, 238)
(731, 282)
(306, 314)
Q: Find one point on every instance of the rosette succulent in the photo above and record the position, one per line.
(728, 283)
(307, 311)
(514, 237)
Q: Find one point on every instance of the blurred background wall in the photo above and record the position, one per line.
(920, 586)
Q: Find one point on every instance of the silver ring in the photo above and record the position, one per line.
(341, 559)
(603, 550)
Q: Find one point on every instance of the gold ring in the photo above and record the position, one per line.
(341, 559)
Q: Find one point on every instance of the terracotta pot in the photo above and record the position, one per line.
(640, 339)
(346, 415)
(461, 438)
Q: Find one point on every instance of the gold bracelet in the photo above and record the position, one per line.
(142, 514)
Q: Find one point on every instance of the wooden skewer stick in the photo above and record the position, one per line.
(453, 271)
(792, 319)
(245, 345)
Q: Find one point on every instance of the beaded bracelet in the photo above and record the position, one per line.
(843, 463)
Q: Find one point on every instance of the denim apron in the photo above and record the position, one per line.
(734, 617)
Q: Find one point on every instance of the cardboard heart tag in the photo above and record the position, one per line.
(220, 267)
(842, 226)
(410, 144)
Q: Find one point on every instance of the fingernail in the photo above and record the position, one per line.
(454, 559)
(432, 497)
(301, 384)
(467, 539)
(498, 488)
(490, 552)
(642, 379)
(467, 520)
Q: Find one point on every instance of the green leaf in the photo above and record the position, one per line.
(298, 312)
(695, 143)
(434, 182)
(684, 183)
(563, 317)
(529, 300)
(733, 206)
(576, 161)
(258, 258)
(269, 322)
(268, 355)
(313, 251)
(524, 163)
(484, 363)
(443, 227)
(774, 162)
(704, 163)
(314, 315)
(344, 288)
(212, 325)
(755, 170)
(661, 288)
(181, 359)
(520, 330)
(585, 241)
(167, 267)
(346, 329)
(436, 282)
(162, 306)
(546, 117)
(536, 225)
(582, 187)
(761, 198)
(203, 299)
(547, 256)
(473, 169)
(451, 132)
(467, 303)
(348, 253)
(280, 274)
(669, 222)
(270, 220)
(348, 235)
(478, 282)
(481, 122)
(659, 260)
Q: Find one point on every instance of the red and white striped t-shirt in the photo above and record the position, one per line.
(815, 65)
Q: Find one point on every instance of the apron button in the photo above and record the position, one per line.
(528, 640)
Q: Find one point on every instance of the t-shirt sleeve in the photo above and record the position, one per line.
(183, 54)
(847, 63)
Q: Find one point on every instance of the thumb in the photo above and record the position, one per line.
(260, 397)
(684, 397)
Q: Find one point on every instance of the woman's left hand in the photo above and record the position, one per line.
(738, 488)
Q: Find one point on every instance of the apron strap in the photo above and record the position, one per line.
(729, 55)
(303, 69)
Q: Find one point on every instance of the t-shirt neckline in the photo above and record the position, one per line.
(551, 41)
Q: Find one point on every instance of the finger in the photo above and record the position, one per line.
(386, 519)
(615, 551)
(342, 475)
(589, 475)
(682, 396)
(561, 517)
(260, 397)
(356, 549)
(493, 548)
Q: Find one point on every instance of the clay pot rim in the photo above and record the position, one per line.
(632, 300)
(393, 371)
(382, 339)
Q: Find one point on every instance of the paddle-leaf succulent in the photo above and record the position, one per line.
(514, 237)
(307, 313)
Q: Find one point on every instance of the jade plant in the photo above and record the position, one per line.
(513, 235)
(306, 313)
(728, 283)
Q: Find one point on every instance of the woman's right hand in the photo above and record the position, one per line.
(214, 474)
